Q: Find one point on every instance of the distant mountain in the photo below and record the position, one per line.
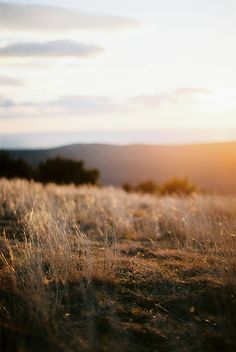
(210, 166)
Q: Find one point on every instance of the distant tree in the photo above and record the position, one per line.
(178, 186)
(14, 168)
(65, 171)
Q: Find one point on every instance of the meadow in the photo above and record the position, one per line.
(98, 269)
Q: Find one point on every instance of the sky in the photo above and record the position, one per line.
(127, 71)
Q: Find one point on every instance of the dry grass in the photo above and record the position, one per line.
(89, 269)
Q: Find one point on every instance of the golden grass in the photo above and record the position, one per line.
(61, 245)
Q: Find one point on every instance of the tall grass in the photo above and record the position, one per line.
(52, 237)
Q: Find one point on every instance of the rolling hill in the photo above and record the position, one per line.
(210, 166)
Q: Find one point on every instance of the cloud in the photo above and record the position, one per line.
(183, 91)
(64, 106)
(9, 81)
(6, 103)
(15, 17)
(152, 101)
(179, 95)
(87, 104)
(58, 48)
(79, 106)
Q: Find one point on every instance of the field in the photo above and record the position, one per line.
(97, 269)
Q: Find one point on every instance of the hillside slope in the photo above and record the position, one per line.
(210, 166)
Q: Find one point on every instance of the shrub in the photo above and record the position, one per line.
(175, 186)
(178, 186)
(128, 187)
(147, 187)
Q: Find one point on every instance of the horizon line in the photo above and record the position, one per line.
(123, 145)
(57, 139)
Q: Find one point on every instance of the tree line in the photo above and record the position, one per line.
(57, 170)
(65, 171)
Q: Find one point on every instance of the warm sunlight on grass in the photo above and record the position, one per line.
(100, 268)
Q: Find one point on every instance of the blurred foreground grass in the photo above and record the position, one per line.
(89, 269)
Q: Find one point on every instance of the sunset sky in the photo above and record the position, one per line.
(117, 71)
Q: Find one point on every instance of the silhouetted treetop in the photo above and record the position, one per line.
(57, 170)
(14, 168)
(65, 171)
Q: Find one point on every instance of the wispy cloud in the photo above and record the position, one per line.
(6, 103)
(58, 48)
(178, 95)
(64, 106)
(188, 91)
(51, 18)
(74, 105)
(87, 104)
(10, 81)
